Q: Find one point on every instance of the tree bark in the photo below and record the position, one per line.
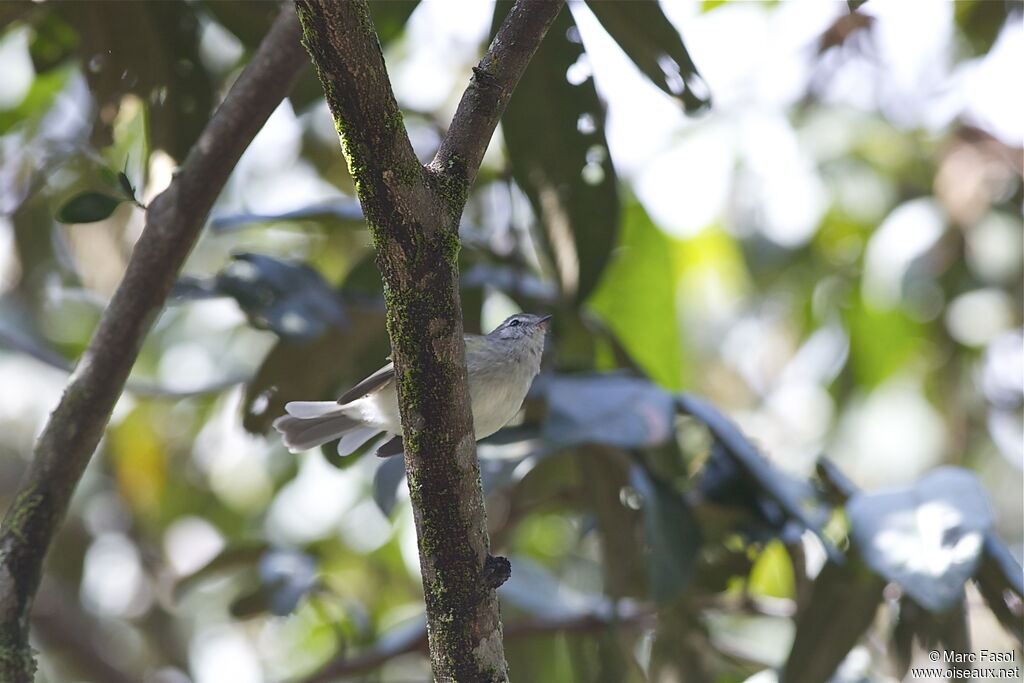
(173, 223)
(413, 213)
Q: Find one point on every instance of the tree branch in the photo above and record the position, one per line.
(491, 87)
(413, 215)
(174, 220)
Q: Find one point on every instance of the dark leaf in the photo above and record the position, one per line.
(927, 538)
(150, 50)
(126, 186)
(672, 534)
(321, 369)
(348, 210)
(389, 475)
(52, 42)
(645, 34)
(796, 499)
(842, 606)
(389, 18)
(293, 300)
(88, 207)
(558, 155)
(606, 476)
(288, 575)
(616, 410)
(980, 21)
(189, 288)
(999, 581)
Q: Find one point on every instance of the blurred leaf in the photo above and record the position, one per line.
(231, 558)
(980, 21)
(37, 100)
(297, 370)
(621, 552)
(150, 50)
(293, 300)
(511, 280)
(708, 5)
(673, 537)
(772, 573)
(724, 482)
(647, 36)
(558, 154)
(927, 538)
(535, 590)
(248, 21)
(346, 209)
(842, 605)
(636, 298)
(881, 342)
(88, 207)
(389, 18)
(390, 473)
(288, 576)
(796, 498)
(616, 410)
(999, 581)
(51, 42)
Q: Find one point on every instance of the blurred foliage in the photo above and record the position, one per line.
(651, 536)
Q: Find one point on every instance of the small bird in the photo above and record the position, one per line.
(500, 365)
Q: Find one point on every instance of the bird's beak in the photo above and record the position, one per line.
(543, 322)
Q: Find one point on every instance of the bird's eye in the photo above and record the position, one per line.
(514, 322)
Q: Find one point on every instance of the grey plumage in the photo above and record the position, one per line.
(501, 366)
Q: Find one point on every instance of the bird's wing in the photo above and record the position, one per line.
(386, 374)
(371, 384)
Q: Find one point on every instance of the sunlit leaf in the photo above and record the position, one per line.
(636, 298)
(616, 410)
(554, 134)
(645, 34)
(88, 207)
(672, 535)
(927, 538)
(37, 100)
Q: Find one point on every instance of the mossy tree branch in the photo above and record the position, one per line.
(413, 213)
(173, 223)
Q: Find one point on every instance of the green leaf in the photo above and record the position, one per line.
(647, 36)
(558, 154)
(672, 535)
(636, 298)
(88, 207)
(980, 21)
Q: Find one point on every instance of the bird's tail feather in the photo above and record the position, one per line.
(311, 423)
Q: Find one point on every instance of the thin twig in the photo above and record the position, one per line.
(173, 222)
